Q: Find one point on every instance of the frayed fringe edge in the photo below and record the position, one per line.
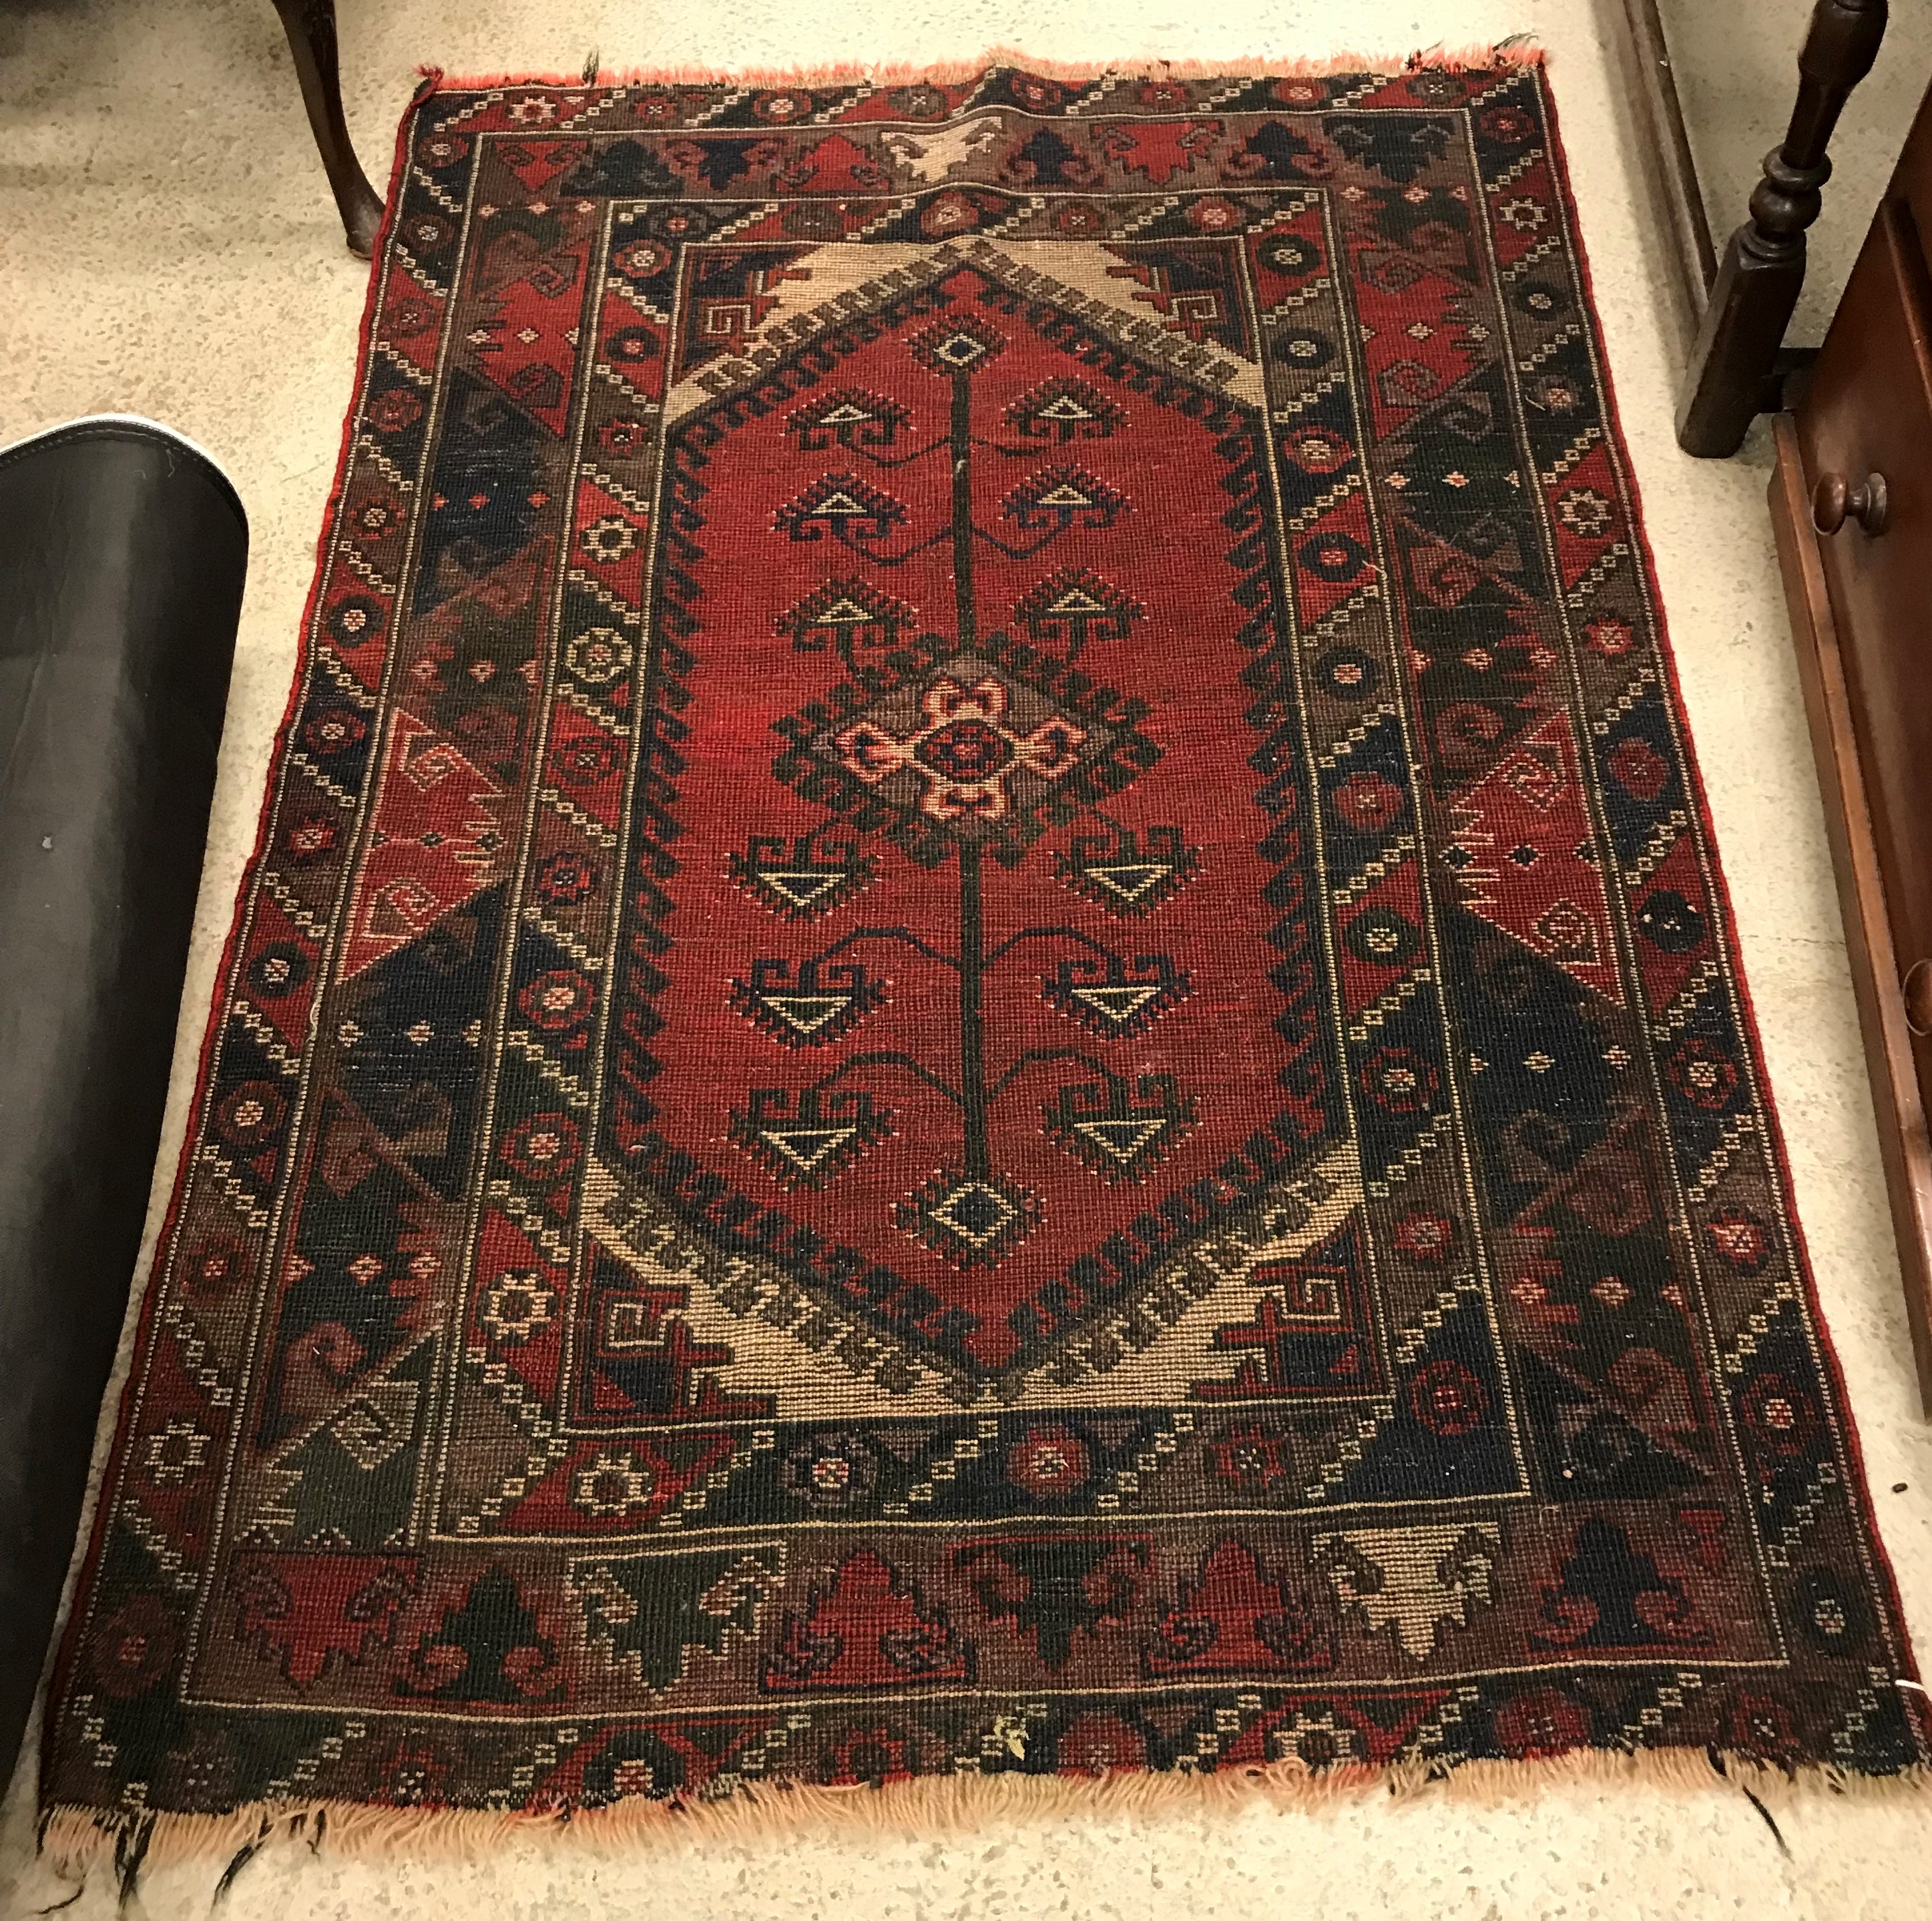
(1518, 50)
(75, 1840)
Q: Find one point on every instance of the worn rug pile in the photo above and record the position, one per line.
(985, 1027)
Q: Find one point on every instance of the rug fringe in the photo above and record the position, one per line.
(76, 1840)
(1517, 50)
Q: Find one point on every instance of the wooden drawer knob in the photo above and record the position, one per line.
(1834, 501)
(1917, 988)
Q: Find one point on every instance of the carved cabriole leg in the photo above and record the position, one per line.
(1730, 378)
(310, 27)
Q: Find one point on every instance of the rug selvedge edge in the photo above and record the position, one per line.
(1911, 1675)
(145, 1288)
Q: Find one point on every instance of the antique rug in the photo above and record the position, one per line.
(985, 1026)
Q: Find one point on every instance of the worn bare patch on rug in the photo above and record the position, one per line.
(986, 1026)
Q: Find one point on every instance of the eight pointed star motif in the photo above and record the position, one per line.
(964, 754)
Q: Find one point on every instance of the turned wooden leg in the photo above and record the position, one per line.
(1730, 378)
(310, 27)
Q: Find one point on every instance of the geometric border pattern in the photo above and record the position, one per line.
(487, 1446)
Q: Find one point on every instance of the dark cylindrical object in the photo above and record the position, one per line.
(122, 553)
(1731, 376)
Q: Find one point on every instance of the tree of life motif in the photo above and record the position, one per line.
(966, 749)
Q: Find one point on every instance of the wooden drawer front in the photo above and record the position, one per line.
(1870, 410)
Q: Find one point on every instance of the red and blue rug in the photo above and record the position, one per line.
(985, 1026)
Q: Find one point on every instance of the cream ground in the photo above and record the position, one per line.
(166, 247)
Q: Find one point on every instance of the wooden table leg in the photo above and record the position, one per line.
(310, 27)
(1729, 381)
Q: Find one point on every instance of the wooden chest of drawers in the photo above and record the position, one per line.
(1852, 503)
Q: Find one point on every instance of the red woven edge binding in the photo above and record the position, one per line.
(1915, 1703)
(224, 977)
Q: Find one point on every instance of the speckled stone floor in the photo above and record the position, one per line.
(166, 247)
